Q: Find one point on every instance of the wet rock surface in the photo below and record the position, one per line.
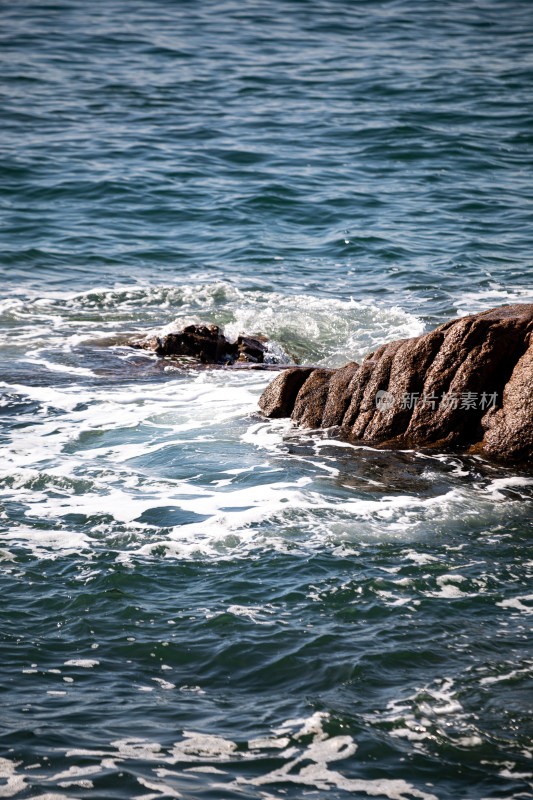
(279, 397)
(310, 401)
(207, 344)
(466, 385)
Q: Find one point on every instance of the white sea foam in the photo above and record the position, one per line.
(164, 684)
(55, 367)
(206, 769)
(86, 663)
(110, 455)
(470, 302)
(309, 765)
(156, 786)
(448, 588)
(519, 485)
(517, 604)
(428, 712)
(507, 676)
(14, 782)
(257, 614)
(316, 328)
(77, 772)
(165, 419)
(303, 745)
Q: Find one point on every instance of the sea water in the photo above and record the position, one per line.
(198, 602)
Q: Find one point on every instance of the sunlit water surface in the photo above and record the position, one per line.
(198, 602)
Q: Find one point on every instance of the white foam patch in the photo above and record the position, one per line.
(83, 783)
(495, 489)
(78, 772)
(85, 663)
(330, 330)
(316, 328)
(449, 588)
(449, 592)
(45, 543)
(257, 614)
(57, 367)
(419, 558)
(55, 796)
(164, 684)
(158, 787)
(207, 770)
(513, 775)
(321, 752)
(469, 741)
(496, 295)
(269, 743)
(200, 746)
(507, 676)
(103, 451)
(136, 748)
(228, 509)
(305, 763)
(518, 604)
(430, 711)
(201, 405)
(14, 783)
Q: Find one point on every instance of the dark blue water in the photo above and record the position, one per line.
(197, 602)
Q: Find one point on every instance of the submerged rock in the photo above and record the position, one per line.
(207, 344)
(468, 384)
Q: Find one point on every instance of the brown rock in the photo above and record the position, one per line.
(311, 399)
(339, 396)
(475, 360)
(509, 429)
(406, 378)
(356, 389)
(280, 395)
(436, 388)
(377, 380)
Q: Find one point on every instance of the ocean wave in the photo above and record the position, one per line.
(141, 470)
(299, 752)
(306, 327)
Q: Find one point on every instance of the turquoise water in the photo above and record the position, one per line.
(198, 602)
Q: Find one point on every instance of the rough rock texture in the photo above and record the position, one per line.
(206, 343)
(279, 397)
(509, 429)
(311, 399)
(468, 384)
(339, 395)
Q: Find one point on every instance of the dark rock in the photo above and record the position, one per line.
(467, 384)
(250, 349)
(339, 395)
(198, 341)
(207, 344)
(509, 429)
(311, 399)
(406, 379)
(280, 395)
(377, 379)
